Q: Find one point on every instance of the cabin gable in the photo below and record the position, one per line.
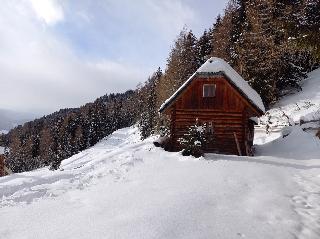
(226, 98)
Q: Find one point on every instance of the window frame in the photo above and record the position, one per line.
(214, 90)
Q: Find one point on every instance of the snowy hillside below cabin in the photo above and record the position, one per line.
(127, 188)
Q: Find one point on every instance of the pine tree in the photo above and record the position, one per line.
(182, 62)
(148, 100)
(221, 36)
(309, 36)
(256, 52)
(194, 141)
(204, 46)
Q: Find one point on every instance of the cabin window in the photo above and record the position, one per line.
(209, 90)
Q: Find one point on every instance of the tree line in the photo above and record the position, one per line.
(50, 139)
(272, 44)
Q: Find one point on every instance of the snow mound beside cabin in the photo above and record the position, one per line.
(297, 145)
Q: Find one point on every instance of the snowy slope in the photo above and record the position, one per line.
(304, 105)
(301, 107)
(125, 188)
(310, 93)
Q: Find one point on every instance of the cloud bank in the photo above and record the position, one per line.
(48, 10)
(64, 53)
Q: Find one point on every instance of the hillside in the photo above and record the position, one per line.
(50, 139)
(126, 188)
(301, 108)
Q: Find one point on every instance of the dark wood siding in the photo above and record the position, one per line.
(229, 112)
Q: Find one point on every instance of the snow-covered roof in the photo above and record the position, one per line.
(217, 65)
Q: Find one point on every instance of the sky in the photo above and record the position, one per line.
(64, 53)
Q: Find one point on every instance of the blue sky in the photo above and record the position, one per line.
(64, 53)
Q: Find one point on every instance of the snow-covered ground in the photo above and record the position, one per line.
(127, 188)
(302, 106)
(3, 131)
(1, 150)
(124, 188)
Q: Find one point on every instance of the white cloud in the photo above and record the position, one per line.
(170, 16)
(39, 71)
(49, 66)
(166, 17)
(48, 10)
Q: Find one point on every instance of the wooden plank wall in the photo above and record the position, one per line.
(225, 124)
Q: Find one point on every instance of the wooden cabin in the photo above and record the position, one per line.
(215, 95)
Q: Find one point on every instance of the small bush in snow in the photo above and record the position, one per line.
(318, 134)
(194, 141)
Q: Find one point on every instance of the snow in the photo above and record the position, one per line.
(1, 150)
(127, 188)
(301, 108)
(4, 131)
(304, 104)
(197, 142)
(215, 65)
(200, 128)
(287, 147)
